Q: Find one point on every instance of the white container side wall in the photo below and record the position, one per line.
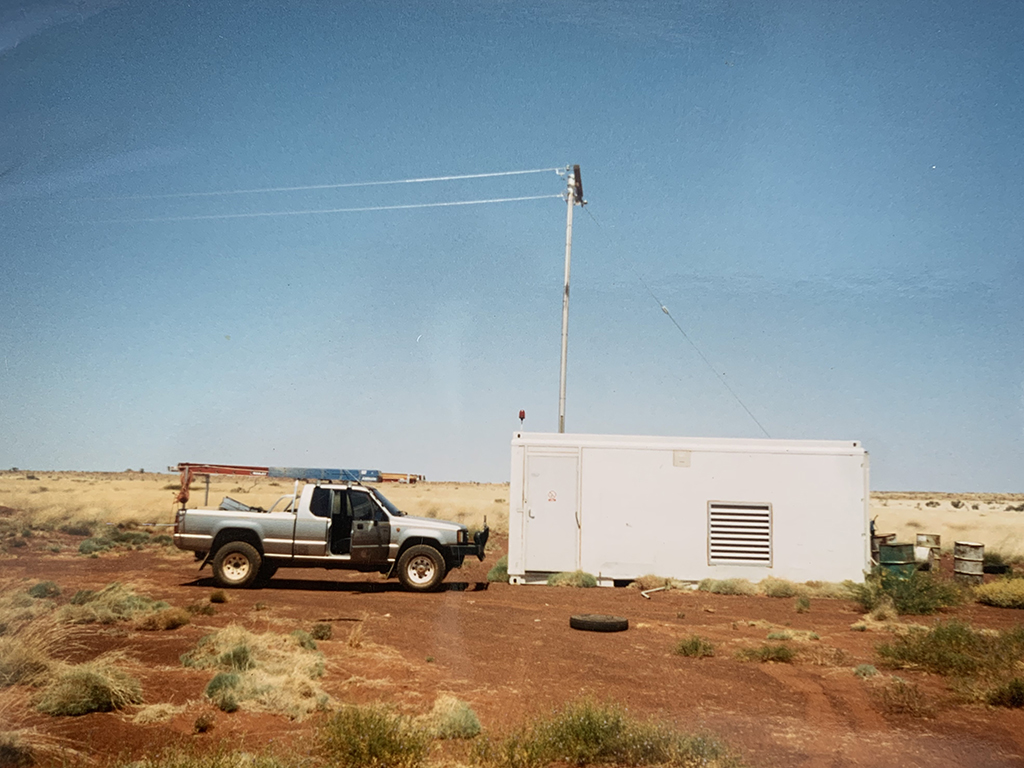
(643, 506)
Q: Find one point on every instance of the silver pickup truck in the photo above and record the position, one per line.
(337, 525)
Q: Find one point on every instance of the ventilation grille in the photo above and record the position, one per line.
(739, 533)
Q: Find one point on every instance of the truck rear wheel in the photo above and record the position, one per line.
(236, 564)
(421, 568)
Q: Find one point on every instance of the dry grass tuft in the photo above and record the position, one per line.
(274, 672)
(727, 587)
(168, 618)
(580, 579)
(26, 652)
(1008, 593)
(110, 605)
(100, 685)
(157, 713)
(896, 696)
(450, 718)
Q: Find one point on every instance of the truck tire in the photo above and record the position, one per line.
(596, 622)
(421, 568)
(266, 572)
(236, 564)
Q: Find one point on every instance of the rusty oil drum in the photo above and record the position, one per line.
(969, 562)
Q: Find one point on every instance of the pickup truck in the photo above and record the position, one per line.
(336, 525)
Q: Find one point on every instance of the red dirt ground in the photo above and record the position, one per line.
(510, 653)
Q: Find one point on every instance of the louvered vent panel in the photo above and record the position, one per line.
(739, 533)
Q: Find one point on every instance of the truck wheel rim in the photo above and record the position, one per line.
(236, 566)
(420, 570)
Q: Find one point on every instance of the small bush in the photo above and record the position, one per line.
(773, 587)
(452, 718)
(864, 671)
(901, 697)
(76, 529)
(727, 587)
(204, 723)
(1006, 593)
(222, 690)
(321, 631)
(15, 752)
(304, 639)
(695, 647)
(201, 609)
(218, 596)
(499, 571)
(768, 653)
(917, 594)
(802, 604)
(168, 618)
(44, 589)
(954, 649)
(585, 733)
(781, 634)
(372, 737)
(1009, 694)
(572, 579)
(96, 686)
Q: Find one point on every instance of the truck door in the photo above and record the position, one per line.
(371, 529)
(552, 535)
(311, 530)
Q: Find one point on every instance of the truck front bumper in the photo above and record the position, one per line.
(476, 548)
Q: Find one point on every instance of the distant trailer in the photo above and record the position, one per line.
(398, 477)
(620, 507)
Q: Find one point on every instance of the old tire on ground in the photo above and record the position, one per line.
(597, 622)
(236, 564)
(421, 568)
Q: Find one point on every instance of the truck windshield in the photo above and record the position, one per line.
(387, 504)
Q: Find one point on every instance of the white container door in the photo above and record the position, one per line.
(552, 512)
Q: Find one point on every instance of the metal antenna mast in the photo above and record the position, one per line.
(573, 197)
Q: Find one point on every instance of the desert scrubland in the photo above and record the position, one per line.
(117, 650)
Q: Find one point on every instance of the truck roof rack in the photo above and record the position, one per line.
(188, 469)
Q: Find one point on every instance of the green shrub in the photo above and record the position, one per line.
(222, 690)
(768, 653)
(695, 647)
(727, 587)
(802, 604)
(372, 737)
(780, 634)
(1010, 694)
(321, 631)
(585, 733)
(44, 589)
(499, 571)
(917, 594)
(451, 718)
(1005, 593)
(96, 686)
(954, 649)
(865, 670)
(572, 579)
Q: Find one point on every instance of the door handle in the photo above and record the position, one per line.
(529, 513)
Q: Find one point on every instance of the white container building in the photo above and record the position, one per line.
(620, 507)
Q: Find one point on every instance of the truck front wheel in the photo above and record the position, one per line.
(421, 568)
(236, 564)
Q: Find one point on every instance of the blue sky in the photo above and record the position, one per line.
(826, 197)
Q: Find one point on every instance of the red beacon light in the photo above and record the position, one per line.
(522, 417)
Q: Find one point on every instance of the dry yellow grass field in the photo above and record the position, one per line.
(993, 519)
(51, 499)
